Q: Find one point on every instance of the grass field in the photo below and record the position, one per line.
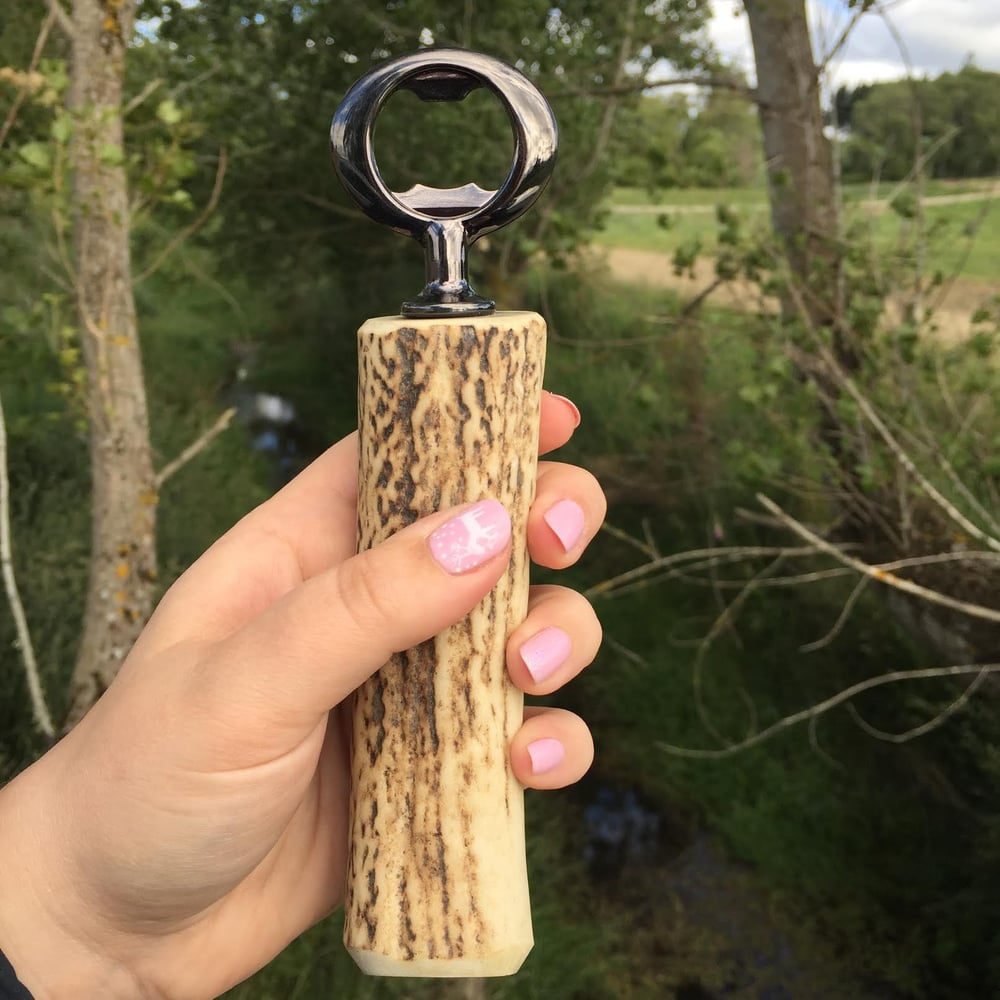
(962, 237)
(757, 195)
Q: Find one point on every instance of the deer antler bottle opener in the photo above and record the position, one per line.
(448, 412)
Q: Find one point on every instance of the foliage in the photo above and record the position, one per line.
(282, 203)
(853, 835)
(889, 124)
(672, 142)
(686, 414)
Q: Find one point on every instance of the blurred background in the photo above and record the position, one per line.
(768, 262)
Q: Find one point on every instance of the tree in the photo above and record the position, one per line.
(801, 185)
(721, 146)
(957, 115)
(123, 548)
(882, 422)
(672, 141)
(295, 61)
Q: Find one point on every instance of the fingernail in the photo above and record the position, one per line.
(566, 519)
(546, 755)
(471, 538)
(574, 409)
(545, 652)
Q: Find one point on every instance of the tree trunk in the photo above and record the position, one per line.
(802, 191)
(801, 183)
(123, 553)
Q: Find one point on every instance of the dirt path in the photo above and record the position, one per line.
(655, 270)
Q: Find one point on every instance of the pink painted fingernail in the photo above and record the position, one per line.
(566, 519)
(545, 652)
(574, 409)
(546, 755)
(471, 538)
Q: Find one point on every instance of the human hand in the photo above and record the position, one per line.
(194, 822)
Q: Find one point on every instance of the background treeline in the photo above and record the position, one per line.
(682, 140)
(955, 117)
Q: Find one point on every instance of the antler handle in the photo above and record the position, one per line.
(437, 882)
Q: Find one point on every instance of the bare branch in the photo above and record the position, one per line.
(829, 56)
(39, 709)
(724, 620)
(189, 231)
(687, 572)
(623, 536)
(606, 127)
(922, 160)
(643, 85)
(196, 447)
(925, 727)
(142, 96)
(25, 86)
(895, 677)
(842, 618)
(622, 650)
(328, 206)
(61, 18)
(734, 552)
(870, 413)
(794, 580)
(876, 573)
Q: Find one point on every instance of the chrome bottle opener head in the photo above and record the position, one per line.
(445, 220)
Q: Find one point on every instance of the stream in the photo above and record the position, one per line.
(702, 918)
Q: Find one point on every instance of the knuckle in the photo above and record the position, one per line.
(366, 593)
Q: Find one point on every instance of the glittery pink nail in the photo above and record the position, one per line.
(471, 538)
(566, 519)
(546, 755)
(545, 652)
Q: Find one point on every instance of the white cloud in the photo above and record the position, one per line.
(937, 36)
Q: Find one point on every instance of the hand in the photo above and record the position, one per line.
(194, 822)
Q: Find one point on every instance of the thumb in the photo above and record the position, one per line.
(307, 652)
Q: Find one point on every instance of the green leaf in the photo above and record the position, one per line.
(981, 343)
(15, 318)
(182, 198)
(168, 112)
(647, 395)
(111, 154)
(37, 154)
(905, 205)
(62, 128)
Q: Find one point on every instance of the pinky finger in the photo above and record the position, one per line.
(552, 749)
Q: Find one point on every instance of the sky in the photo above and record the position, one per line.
(938, 36)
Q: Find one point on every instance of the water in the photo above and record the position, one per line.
(682, 887)
(620, 829)
(274, 425)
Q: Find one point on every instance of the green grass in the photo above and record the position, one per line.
(667, 231)
(962, 239)
(670, 197)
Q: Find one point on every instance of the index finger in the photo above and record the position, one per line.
(323, 497)
(303, 530)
